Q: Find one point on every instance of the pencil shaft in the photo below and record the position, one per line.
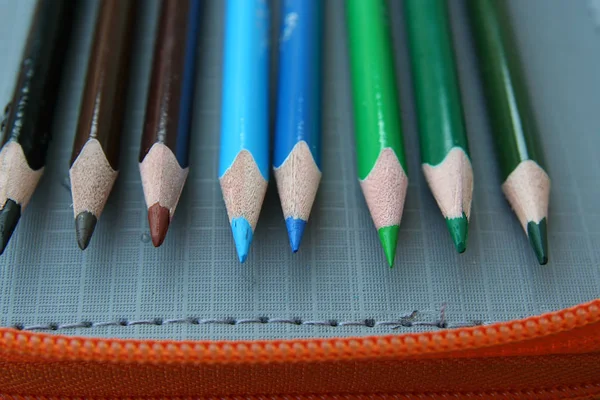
(245, 113)
(442, 138)
(27, 122)
(509, 106)
(172, 83)
(103, 100)
(29, 119)
(299, 97)
(374, 90)
(165, 141)
(377, 125)
(525, 181)
(297, 156)
(95, 158)
(437, 92)
(244, 157)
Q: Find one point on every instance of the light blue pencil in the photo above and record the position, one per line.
(297, 158)
(244, 159)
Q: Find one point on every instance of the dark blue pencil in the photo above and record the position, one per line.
(297, 160)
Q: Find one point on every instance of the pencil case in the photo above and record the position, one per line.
(126, 320)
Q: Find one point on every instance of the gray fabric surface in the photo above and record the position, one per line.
(340, 272)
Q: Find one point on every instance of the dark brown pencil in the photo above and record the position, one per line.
(95, 159)
(27, 123)
(164, 148)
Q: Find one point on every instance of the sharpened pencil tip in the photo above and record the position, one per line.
(242, 236)
(85, 223)
(388, 236)
(158, 219)
(459, 231)
(9, 217)
(295, 228)
(538, 237)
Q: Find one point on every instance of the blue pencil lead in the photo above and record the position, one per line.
(295, 228)
(242, 235)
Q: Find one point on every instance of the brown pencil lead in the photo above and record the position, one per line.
(164, 150)
(158, 218)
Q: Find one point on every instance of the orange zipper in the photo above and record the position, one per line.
(558, 393)
(556, 356)
(60, 347)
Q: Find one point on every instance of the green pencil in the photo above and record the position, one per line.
(444, 148)
(378, 129)
(525, 181)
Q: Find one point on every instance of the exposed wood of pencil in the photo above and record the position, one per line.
(527, 189)
(451, 183)
(28, 120)
(95, 158)
(298, 180)
(162, 181)
(165, 140)
(385, 189)
(244, 189)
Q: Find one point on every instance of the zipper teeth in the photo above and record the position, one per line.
(583, 391)
(140, 351)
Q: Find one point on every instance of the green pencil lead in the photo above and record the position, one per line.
(388, 236)
(459, 231)
(538, 237)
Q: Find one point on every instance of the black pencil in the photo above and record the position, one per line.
(95, 160)
(28, 119)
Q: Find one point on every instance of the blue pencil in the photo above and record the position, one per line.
(297, 162)
(244, 158)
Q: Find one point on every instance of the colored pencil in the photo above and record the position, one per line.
(526, 183)
(95, 158)
(27, 125)
(164, 151)
(444, 149)
(244, 158)
(377, 125)
(297, 157)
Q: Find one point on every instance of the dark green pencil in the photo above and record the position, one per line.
(444, 149)
(525, 181)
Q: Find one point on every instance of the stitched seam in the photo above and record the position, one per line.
(406, 321)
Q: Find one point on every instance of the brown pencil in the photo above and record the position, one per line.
(95, 159)
(164, 149)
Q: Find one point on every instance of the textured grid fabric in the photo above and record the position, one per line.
(339, 273)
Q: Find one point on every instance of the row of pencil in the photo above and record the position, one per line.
(443, 142)
(245, 146)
